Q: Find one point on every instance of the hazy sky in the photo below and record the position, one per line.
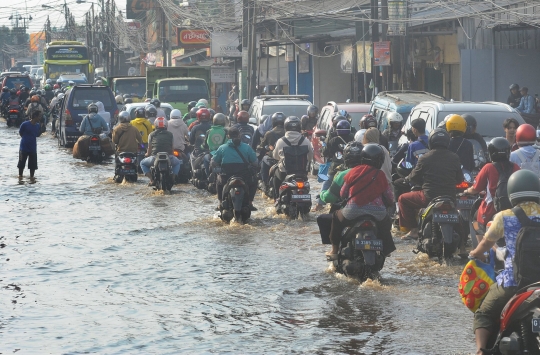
(39, 14)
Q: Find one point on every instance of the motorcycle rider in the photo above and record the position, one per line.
(235, 110)
(268, 143)
(54, 106)
(192, 116)
(179, 130)
(151, 113)
(524, 192)
(265, 125)
(203, 116)
(49, 94)
(528, 154)
(438, 171)
(368, 121)
(215, 138)
(293, 136)
(159, 141)
(456, 126)
(372, 136)
(362, 200)
(93, 123)
(471, 132)
(4, 96)
(309, 121)
(119, 102)
(126, 136)
(242, 123)
(527, 104)
(236, 158)
(488, 178)
(142, 124)
(395, 122)
(35, 105)
(421, 145)
(24, 94)
(157, 105)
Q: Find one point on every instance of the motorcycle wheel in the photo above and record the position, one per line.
(118, 178)
(293, 212)
(131, 178)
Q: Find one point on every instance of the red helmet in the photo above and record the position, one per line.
(243, 117)
(203, 115)
(56, 86)
(367, 121)
(525, 135)
(160, 123)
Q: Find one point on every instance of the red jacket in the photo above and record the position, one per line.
(352, 185)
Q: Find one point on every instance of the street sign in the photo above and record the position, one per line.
(222, 75)
(224, 44)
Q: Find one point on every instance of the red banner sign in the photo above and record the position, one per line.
(381, 53)
(194, 37)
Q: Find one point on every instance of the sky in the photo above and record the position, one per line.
(27, 8)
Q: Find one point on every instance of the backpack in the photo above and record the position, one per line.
(246, 134)
(216, 137)
(295, 157)
(501, 201)
(526, 261)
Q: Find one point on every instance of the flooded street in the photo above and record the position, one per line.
(89, 266)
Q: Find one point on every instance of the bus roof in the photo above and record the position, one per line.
(64, 43)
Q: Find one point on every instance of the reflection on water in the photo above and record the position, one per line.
(90, 266)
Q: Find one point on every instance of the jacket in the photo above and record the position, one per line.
(333, 193)
(514, 100)
(392, 135)
(420, 146)
(293, 137)
(126, 137)
(93, 121)
(527, 104)
(465, 151)
(215, 137)
(143, 126)
(198, 130)
(161, 140)
(230, 161)
(438, 171)
(333, 147)
(270, 138)
(180, 131)
(33, 107)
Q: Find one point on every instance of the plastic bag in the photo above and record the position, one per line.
(475, 281)
(323, 170)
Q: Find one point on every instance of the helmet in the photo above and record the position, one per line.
(499, 149)
(124, 116)
(219, 120)
(312, 111)
(119, 99)
(39, 92)
(372, 155)
(193, 112)
(200, 105)
(191, 104)
(336, 119)
(56, 86)
(343, 113)
(292, 123)
(523, 185)
(13, 91)
(147, 107)
(456, 123)
(32, 93)
(367, 121)
(140, 112)
(59, 81)
(176, 114)
(525, 135)
(243, 117)
(264, 118)
(160, 123)
(203, 101)
(439, 138)
(278, 119)
(92, 108)
(155, 102)
(151, 112)
(245, 102)
(5, 89)
(471, 121)
(47, 87)
(212, 113)
(34, 98)
(203, 115)
(61, 96)
(394, 117)
(129, 100)
(48, 81)
(514, 86)
(343, 128)
(99, 82)
(352, 154)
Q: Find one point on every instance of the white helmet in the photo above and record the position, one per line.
(119, 99)
(394, 117)
(204, 102)
(176, 114)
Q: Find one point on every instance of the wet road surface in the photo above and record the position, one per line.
(89, 266)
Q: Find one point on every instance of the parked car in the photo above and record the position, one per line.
(489, 116)
(75, 107)
(290, 105)
(398, 101)
(130, 108)
(355, 110)
(16, 81)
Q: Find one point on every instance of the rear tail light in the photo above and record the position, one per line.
(176, 153)
(69, 119)
(367, 224)
(94, 139)
(463, 185)
(14, 111)
(300, 184)
(127, 160)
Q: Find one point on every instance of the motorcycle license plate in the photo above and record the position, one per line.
(445, 217)
(14, 116)
(94, 147)
(127, 171)
(536, 325)
(300, 198)
(368, 244)
(464, 203)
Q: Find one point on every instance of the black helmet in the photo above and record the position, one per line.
(292, 123)
(352, 154)
(128, 100)
(151, 112)
(514, 86)
(233, 132)
(212, 113)
(263, 119)
(499, 149)
(439, 138)
(140, 112)
(278, 119)
(523, 185)
(13, 91)
(191, 105)
(155, 102)
(5, 89)
(245, 102)
(193, 112)
(312, 111)
(336, 119)
(471, 121)
(32, 93)
(372, 155)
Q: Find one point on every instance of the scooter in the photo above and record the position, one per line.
(198, 174)
(95, 155)
(14, 116)
(464, 205)
(185, 172)
(161, 171)
(235, 201)
(126, 167)
(294, 199)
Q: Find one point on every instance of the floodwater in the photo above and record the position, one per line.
(92, 267)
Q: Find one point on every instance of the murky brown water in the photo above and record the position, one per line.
(89, 266)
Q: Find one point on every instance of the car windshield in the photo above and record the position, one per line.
(288, 110)
(135, 87)
(85, 96)
(16, 82)
(355, 118)
(183, 90)
(489, 124)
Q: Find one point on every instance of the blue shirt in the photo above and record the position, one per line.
(226, 154)
(527, 104)
(29, 132)
(418, 148)
(97, 122)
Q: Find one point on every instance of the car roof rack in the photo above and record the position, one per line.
(394, 94)
(282, 97)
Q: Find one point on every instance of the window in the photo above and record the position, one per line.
(182, 90)
(321, 124)
(134, 87)
(82, 97)
(17, 82)
(382, 121)
(288, 110)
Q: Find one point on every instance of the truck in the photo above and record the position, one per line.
(178, 85)
(133, 87)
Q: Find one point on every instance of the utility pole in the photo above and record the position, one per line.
(374, 38)
(163, 38)
(384, 15)
(48, 31)
(111, 38)
(245, 45)
(253, 54)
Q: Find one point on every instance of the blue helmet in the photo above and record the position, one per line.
(343, 128)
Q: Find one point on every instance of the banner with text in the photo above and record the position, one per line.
(224, 44)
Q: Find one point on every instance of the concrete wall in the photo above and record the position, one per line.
(330, 83)
(518, 66)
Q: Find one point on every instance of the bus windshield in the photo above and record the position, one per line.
(66, 52)
(183, 90)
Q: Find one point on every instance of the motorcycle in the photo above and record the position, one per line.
(360, 252)
(95, 155)
(464, 205)
(267, 189)
(162, 173)
(44, 121)
(294, 199)
(14, 116)
(126, 167)
(185, 172)
(198, 174)
(235, 201)
(141, 151)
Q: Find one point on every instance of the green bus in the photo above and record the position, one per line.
(67, 57)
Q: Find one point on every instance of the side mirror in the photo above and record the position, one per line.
(319, 133)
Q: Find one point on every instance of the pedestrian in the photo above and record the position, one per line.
(510, 126)
(29, 131)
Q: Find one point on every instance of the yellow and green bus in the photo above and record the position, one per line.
(67, 57)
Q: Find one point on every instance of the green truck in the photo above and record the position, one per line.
(178, 86)
(133, 87)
